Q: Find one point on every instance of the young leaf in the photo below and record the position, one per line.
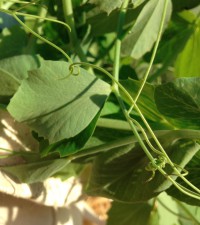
(58, 108)
(180, 100)
(145, 30)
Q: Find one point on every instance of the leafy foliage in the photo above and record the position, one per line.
(139, 138)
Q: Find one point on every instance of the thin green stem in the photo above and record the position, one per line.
(119, 32)
(37, 28)
(69, 19)
(154, 50)
(35, 33)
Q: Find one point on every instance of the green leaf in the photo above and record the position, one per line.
(107, 5)
(187, 64)
(12, 71)
(190, 212)
(120, 173)
(35, 171)
(164, 204)
(179, 5)
(172, 43)
(12, 42)
(58, 108)
(180, 100)
(193, 168)
(125, 214)
(72, 145)
(137, 42)
(102, 23)
(146, 101)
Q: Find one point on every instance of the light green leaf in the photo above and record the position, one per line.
(58, 108)
(12, 42)
(107, 5)
(187, 64)
(145, 30)
(35, 171)
(165, 202)
(136, 3)
(120, 173)
(180, 100)
(190, 212)
(125, 214)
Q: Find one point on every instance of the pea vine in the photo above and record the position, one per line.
(158, 158)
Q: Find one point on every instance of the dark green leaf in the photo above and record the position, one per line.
(120, 173)
(179, 5)
(12, 42)
(102, 23)
(127, 214)
(137, 42)
(193, 168)
(180, 100)
(58, 108)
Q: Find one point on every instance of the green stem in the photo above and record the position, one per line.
(69, 19)
(14, 14)
(119, 32)
(37, 28)
(154, 50)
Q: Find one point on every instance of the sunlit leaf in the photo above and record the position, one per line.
(137, 42)
(58, 108)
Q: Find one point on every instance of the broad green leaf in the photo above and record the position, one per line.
(58, 108)
(120, 173)
(127, 214)
(193, 168)
(145, 30)
(71, 145)
(12, 71)
(35, 171)
(179, 5)
(180, 101)
(187, 64)
(107, 5)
